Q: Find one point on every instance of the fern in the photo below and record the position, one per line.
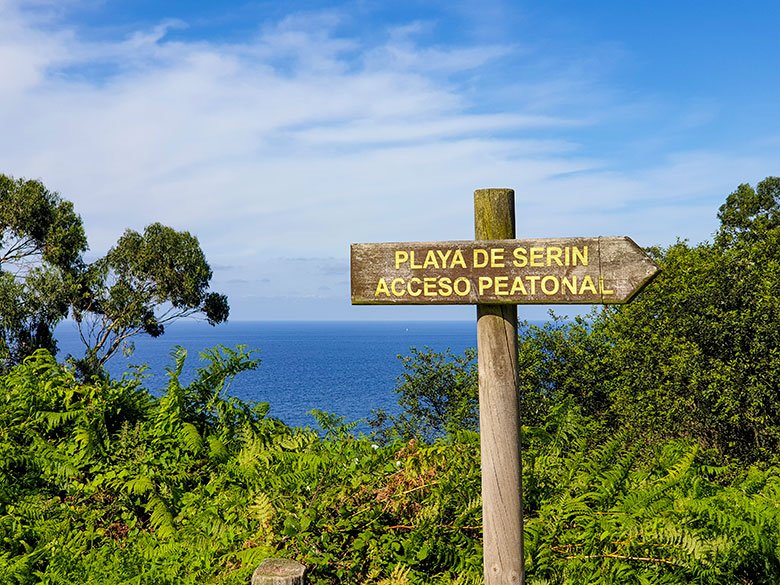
(398, 576)
(190, 437)
(139, 485)
(161, 517)
(262, 509)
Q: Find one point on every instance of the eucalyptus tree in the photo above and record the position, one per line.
(146, 281)
(142, 284)
(41, 243)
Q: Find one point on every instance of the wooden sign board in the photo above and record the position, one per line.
(601, 270)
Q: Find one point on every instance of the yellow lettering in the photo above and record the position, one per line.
(443, 255)
(381, 287)
(481, 258)
(588, 286)
(401, 257)
(550, 290)
(603, 290)
(521, 258)
(579, 254)
(496, 257)
(484, 283)
(458, 260)
(462, 286)
(554, 254)
(518, 287)
(412, 265)
(570, 283)
(430, 260)
(502, 286)
(428, 286)
(537, 256)
(533, 279)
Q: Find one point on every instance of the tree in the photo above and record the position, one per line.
(561, 359)
(142, 284)
(698, 353)
(41, 242)
(749, 213)
(438, 394)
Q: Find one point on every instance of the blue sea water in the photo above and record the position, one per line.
(345, 368)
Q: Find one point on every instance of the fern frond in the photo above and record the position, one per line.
(262, 509)
(139, 485)
(190, 437)
(56, 419)
(161, 518)
(217, 448)
(398, 576)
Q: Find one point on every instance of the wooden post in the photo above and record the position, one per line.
(499, 412)
(279, 572)
(497, 272)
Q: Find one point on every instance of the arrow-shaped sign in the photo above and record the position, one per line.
(602, 270)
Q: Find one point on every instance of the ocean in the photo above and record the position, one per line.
(345, 368)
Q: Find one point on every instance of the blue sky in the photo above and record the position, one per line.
(279, 132)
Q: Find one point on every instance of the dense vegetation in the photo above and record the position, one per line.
(650, 452)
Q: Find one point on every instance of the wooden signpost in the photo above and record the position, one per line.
(497, 272)
(506, 272)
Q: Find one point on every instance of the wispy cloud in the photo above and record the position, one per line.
(199, 131)
(300, 138)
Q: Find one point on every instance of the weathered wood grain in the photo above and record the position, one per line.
(499, 415)
(279, 572)
(600, 270)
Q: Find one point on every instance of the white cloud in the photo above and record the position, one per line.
(299, 140)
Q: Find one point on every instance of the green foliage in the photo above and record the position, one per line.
(697, 353)
(41, 241)
(100, 480)
(438, 391)
(37, 223)
(624, 516)
(144, 282)
(103, 483)
(561, 359)
(438, 394)
(748, 214)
